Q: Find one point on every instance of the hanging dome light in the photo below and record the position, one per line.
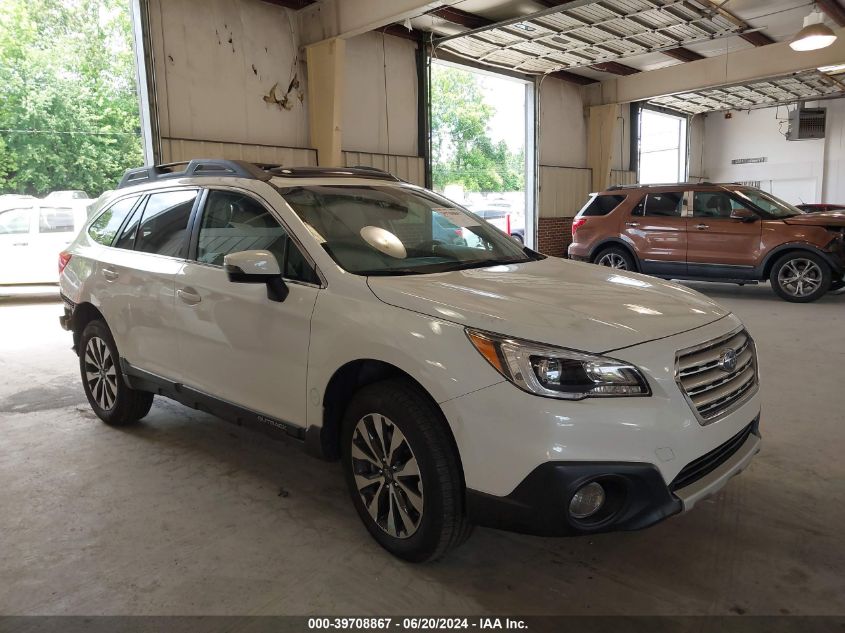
(814, 35)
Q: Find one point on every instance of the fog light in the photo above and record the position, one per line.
(587, 500)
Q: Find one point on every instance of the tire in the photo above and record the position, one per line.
(429, 505)
(109, 396)
(615, 257)
(811, 275)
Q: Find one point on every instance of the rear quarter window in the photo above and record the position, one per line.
(105, 227)
(602, 205)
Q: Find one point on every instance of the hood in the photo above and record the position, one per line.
(554, 301)
(825, 218)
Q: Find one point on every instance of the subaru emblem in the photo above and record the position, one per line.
(727, 360)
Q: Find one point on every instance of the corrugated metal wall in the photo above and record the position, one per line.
(410, 168)
(563, 191)
(623, 177)
(174, 150)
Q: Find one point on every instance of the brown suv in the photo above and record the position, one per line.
(713, 232)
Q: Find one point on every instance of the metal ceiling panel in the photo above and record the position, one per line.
(758, 94)
(586, 32)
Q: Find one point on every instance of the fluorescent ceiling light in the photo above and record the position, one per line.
(814, 35)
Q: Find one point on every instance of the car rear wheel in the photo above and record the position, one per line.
(109, 396)
(800, 277)
(402, 471)
(615, 257)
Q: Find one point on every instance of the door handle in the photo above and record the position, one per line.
(110, 274)
(632, 223)
(189, 296)
(702, 227)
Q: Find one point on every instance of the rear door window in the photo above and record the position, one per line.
(55, 220)
(164, 224)
(602, 205)
(665, 204)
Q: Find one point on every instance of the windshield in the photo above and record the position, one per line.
(774, 207)
(395, 230)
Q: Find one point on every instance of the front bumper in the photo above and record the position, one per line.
(637, 495)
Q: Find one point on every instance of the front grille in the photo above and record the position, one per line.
(706, 464)
(711, 387)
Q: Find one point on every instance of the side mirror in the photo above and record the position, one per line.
(743, 215)
(257, 267)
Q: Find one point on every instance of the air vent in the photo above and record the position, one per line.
(806, 124)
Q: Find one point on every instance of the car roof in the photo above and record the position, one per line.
(673, 186)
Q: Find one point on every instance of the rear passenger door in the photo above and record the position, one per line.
(139, 272)
(236, 344)
(657, 229)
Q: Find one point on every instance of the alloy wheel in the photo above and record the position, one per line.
(800, 277)
(100, 373)
(387, 475)
(613, 260)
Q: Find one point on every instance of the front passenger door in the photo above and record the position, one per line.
(719, 245)
(235, 343)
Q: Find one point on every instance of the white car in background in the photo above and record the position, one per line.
(32, 234)
(460, 383)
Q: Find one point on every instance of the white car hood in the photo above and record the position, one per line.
(554, 301)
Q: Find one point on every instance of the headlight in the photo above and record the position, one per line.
(556, 372)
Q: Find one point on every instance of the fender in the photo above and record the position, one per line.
(764, 268)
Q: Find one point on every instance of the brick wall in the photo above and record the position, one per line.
(554, 236)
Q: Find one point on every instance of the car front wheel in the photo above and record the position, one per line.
(402, 471)
(800, 277)
(109, 396)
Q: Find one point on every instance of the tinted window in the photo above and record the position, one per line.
(164, 224)
(664, 204)
(602, 205)
(15, 221)
(714, 204)
(233, 222)
(105, 227)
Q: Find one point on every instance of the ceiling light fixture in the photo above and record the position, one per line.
(814, 35)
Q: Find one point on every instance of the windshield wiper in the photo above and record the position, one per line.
(485, 263)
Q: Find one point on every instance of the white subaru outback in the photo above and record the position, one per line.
(461, 378)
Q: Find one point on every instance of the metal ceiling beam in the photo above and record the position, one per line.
(615, 68)
(397, 30)
(745, 66)
(834, 10)
(683, 54)
(291, 4)
(460, 17)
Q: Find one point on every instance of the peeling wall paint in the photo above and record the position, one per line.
(227, 71)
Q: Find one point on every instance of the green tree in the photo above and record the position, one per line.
(68, 107)
(462, 151)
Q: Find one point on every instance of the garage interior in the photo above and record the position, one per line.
(184, 514)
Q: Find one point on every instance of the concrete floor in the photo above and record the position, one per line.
(185, 514)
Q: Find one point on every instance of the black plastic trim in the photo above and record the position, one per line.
(540, 504)
(198, 167)
(145, 381)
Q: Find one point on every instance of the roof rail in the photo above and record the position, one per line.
(334, 172)
(197, 167)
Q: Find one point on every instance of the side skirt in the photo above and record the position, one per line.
(146, 381)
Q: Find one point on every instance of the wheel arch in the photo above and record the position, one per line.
(795, 247)
(614, 241)
(324, 441)
(83, 314)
